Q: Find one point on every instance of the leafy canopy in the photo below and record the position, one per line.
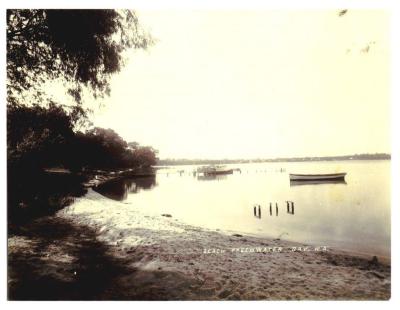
(40, 137)
(83, 48)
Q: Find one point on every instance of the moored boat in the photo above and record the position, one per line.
(214, 170)
(317, 177)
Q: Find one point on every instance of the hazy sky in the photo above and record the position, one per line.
(248, 84)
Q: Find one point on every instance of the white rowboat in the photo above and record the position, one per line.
(311, 177)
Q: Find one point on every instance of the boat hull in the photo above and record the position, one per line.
(219, 172)
(214, 170)
(317, 177)
(317, 182)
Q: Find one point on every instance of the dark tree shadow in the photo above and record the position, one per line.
(56, 260)
(55, 266)
(34, 194)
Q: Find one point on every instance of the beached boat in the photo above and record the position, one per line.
(214, 170)
(317, 177)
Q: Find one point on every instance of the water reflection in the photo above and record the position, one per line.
(276, 209)
(211, 177)
(257, 214)
(119, 189)
(316, 182)
(290, 207)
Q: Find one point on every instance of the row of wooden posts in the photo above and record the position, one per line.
(289, 209)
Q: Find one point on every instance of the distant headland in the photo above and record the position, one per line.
(376, 156)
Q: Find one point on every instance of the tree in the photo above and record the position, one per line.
(146, 156)
(101, 148)
(97, 148)
(39, 136)
(81, 47)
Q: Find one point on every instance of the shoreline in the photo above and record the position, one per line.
(191, 162)
(102, 177)
(364, 255)
(110, 178)
(162, 259)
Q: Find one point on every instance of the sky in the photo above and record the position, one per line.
(255, 84)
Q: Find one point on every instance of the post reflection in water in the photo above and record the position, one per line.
(289, 209)
(119, 189)
(257, 214)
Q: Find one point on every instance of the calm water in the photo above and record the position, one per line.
(354, 215)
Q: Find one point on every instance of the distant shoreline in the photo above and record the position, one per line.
(172, 162)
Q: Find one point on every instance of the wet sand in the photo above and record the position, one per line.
(103, 249)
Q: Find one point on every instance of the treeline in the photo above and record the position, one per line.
(171, 162)
(376, 156)
(42, 137)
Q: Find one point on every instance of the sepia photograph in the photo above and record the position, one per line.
(159, 154)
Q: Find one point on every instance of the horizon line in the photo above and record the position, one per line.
(278, 158)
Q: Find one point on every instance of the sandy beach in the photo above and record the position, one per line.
(98, 248)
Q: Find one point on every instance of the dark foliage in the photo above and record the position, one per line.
(101, 148)
(32, 195)
(39, 138)
(82, 47)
